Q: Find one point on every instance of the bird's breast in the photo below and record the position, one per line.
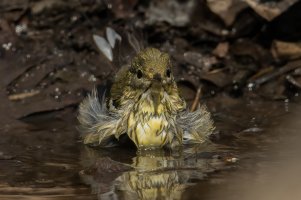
(148, 123)
(151, 132)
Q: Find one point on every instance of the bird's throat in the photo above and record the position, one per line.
(156, 95)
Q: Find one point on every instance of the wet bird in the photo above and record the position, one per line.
(143, 103)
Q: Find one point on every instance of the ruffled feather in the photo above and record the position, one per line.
(196, 126)
(98, 125)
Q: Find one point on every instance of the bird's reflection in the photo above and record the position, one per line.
(149, 174)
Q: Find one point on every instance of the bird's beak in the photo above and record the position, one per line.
(157, 77)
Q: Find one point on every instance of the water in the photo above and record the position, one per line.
(45, 159)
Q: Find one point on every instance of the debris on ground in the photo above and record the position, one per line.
(49, 60)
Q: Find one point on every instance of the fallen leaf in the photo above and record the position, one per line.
(218, 78)
(227, 9)
(200, 61)
(221, 50)
(173, 12)
(286, 50)
(269, 9)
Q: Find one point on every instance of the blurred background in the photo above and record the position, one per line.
(244, 55)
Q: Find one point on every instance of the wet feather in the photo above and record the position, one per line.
(144, 103)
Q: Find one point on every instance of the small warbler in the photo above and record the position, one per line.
(144, 104)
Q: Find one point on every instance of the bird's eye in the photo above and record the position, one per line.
(139, 74)
(168, 73)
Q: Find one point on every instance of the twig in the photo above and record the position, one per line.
(196, 100)
(15, 97)
(288, 67)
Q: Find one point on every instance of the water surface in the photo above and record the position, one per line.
(45, 159)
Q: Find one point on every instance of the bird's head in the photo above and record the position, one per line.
(150, 68)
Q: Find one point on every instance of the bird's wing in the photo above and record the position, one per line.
(98, 125)
(196, 126)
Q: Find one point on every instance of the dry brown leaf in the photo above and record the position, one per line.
(286, 50)
(270, 10)
(221, 50)
(227, 9)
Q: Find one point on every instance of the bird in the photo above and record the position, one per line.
(143, 103)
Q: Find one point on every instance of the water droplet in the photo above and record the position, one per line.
(74, 18)
(251, 86)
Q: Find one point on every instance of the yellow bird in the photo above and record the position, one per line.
(144, 104)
